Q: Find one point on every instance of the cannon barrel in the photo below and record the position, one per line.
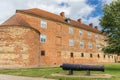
(80, 67)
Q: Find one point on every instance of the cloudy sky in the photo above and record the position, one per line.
(89, 10)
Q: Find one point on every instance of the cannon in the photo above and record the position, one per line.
(81, 67)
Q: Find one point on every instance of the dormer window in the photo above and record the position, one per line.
(68, 20)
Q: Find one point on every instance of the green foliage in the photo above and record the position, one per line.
(110, 23)
(112, 69)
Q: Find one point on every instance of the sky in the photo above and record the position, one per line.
(90, 11)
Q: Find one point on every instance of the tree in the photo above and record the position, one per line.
(110, 23)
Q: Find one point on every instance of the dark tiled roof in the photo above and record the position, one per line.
(55, 17)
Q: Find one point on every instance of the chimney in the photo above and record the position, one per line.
(62, 14)
(96, 27)
(79, 20)
(91, 24)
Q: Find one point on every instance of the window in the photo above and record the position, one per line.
(89, 35)
(82, 54)
(96, 37)
(43, 38)
(104, 56)
(71, 54)
(91, 55)
(43, 23)
(97, 46)
(102, 38)
(81, 32)
(98, 56)
(70, 30)
(81, 44)
(42, 53)
(90, 45)
(71, 42)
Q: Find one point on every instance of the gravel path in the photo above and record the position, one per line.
(11, 77)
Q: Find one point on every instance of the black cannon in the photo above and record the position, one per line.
(81, 67)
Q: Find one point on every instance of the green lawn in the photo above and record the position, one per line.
(113, 69)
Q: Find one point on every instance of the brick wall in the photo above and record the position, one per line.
(57, 49)
(19, 46)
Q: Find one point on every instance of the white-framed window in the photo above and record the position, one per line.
(97, 46)
(96, 37)
(81, 32)
(102, 38)
(90, 45)
(82, 44)
(43, 23)
(71, 42)
(89, 35)
(70, 30)
(42, 38)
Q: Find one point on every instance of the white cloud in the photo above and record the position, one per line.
(73, 8)
(94, 20)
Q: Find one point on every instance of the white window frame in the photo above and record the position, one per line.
(103, 38)
(89, 34)
(90, 45)
(71, 42)
(43, 24)
(81, 32)
(43, 38)
(82, 44)
(97, 46)
(96, 37)
(70, 30)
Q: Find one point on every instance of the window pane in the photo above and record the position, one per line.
(70, 30)
(43, 38)
(82, 44)
(96, 37)
(43, 23)
(89, 35)
(90, 45)
(81, 32)
(102, 38)
(71, 42)
(97, 46)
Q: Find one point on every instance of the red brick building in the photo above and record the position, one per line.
(35, 37)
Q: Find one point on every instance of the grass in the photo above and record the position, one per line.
(112, 69)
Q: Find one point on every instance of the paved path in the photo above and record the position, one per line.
(11, 77)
